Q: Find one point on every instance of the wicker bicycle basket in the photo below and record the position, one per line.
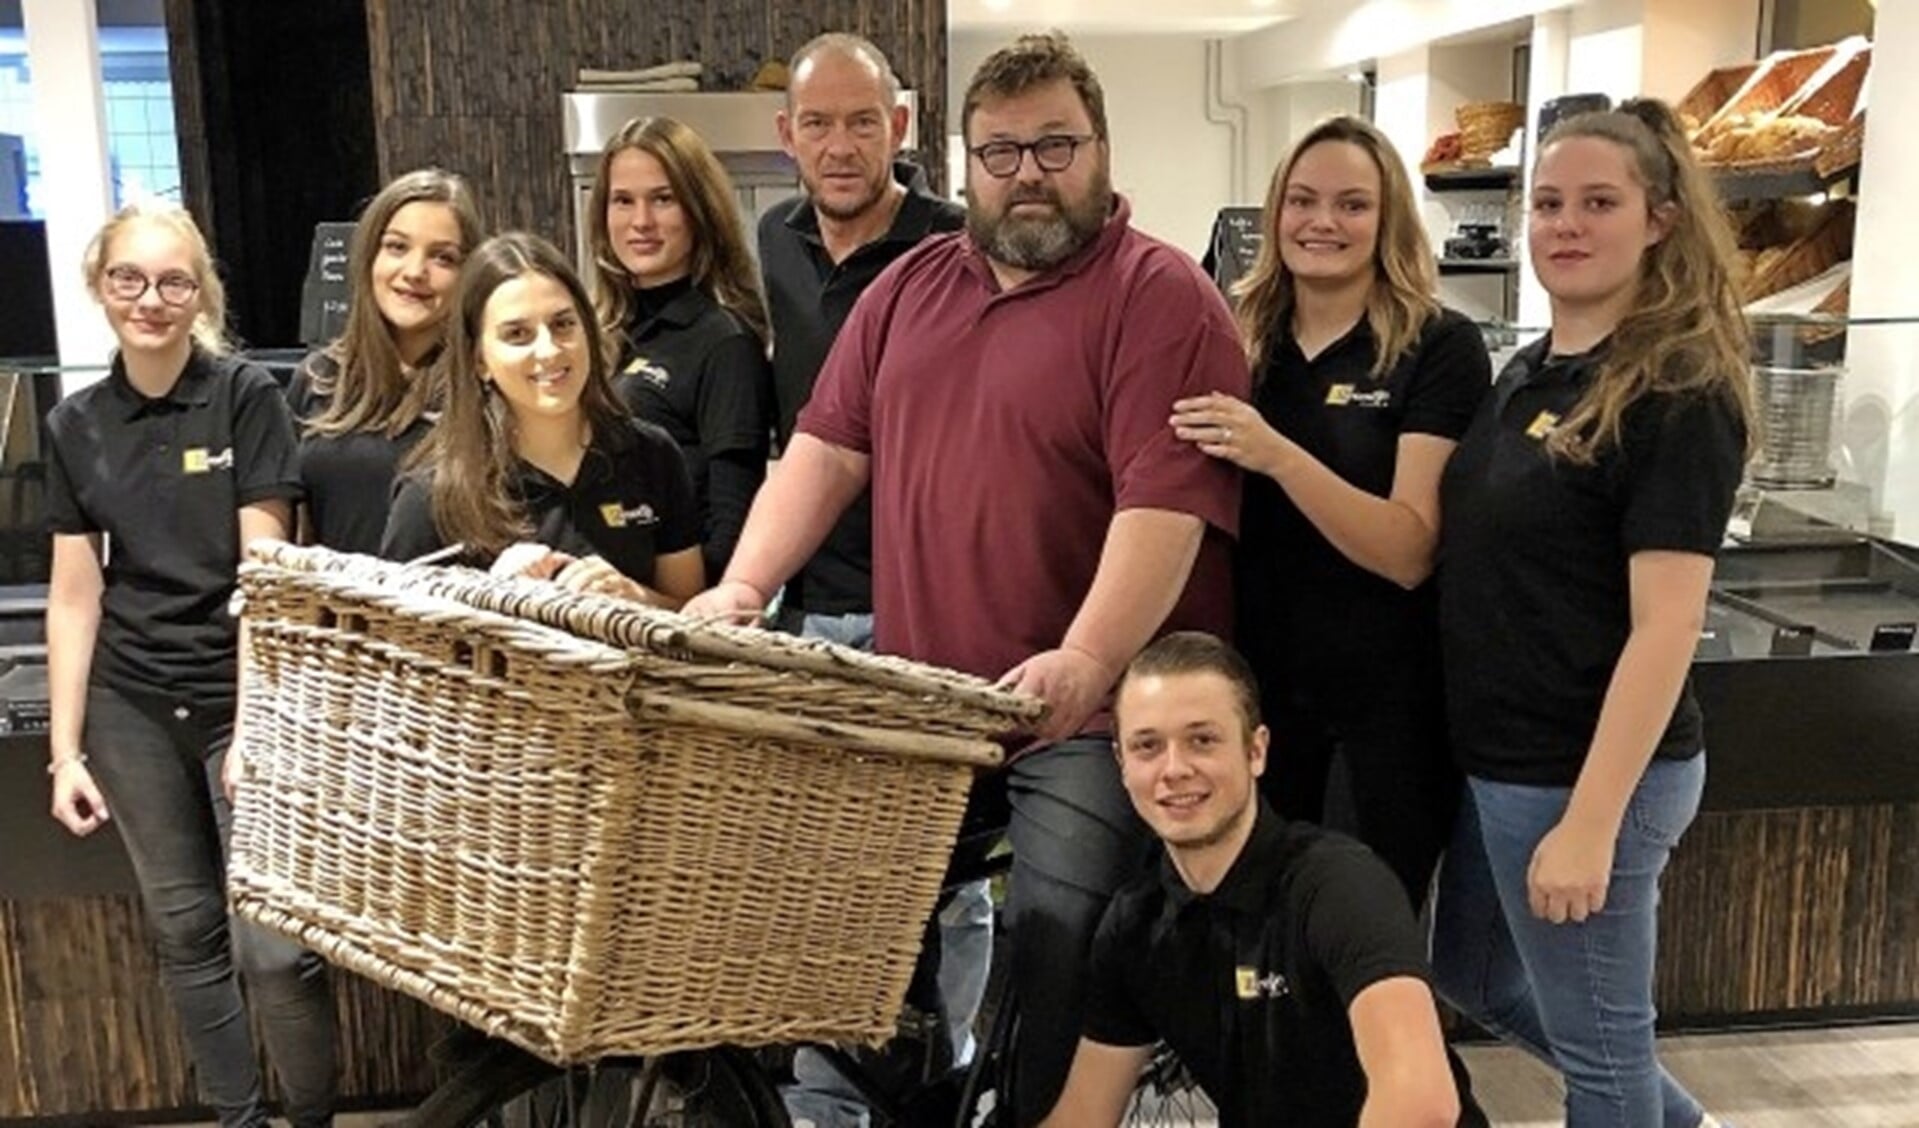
(588, 827)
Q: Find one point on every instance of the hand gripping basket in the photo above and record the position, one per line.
(588, 827)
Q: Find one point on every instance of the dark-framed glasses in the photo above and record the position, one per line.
(128, 283)
(1052, 153)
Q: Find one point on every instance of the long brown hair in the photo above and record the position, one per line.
(1685, 331)
(371, 390)
(1405, 276)
(721, 266)
(209, 328)
(470, 450)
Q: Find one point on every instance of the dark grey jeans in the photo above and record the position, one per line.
(1076, 840)
(158, 764)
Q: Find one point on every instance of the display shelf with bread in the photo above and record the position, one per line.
(1768, 138)
(1498, 178)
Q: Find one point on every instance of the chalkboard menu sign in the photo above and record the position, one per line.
(1235, 244)
(323, 299)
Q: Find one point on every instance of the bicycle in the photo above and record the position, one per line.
(726, 1087)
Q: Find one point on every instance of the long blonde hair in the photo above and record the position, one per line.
(209, 329)
(722, 266)
(1685, 331)
(1405, 274)
(371, 391)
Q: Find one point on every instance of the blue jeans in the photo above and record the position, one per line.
(158, 765)
(1576, 996)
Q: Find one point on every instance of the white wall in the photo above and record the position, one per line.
(1168, 160)
(1879, 430)
(1338, 36)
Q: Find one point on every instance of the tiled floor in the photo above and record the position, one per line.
(1854, 1077)
(1850, 1077)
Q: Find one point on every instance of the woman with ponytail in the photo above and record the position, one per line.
(1584, 506)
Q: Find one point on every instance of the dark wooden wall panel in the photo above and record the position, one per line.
(1801, 910)
(475, 85)
(86, 1026)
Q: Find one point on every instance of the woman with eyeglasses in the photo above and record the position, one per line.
(178, 458)
(367, 398)
(676, 288)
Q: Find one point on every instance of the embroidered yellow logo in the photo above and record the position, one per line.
(197, 460)
(1542, 425)
(1339, 395)
(1246, 982)
(614, 514)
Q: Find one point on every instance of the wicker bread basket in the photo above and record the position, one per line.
(588, 827)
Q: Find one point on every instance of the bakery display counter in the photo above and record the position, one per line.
(1795, 896)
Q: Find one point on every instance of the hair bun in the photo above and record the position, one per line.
(1656, 116)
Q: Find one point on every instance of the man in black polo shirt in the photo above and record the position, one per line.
(863, 208)
(1279, 961)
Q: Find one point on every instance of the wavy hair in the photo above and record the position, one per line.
(721, 264)
(1405, 274)
(470, 450)
(1685, 332)
(209, 329)
(372, 391)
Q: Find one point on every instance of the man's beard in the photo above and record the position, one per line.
(842, 212)
(1040, 242)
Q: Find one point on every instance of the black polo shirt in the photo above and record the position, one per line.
(164, 480)
(690, 367)
(1251, 985)
(631, 502)
(808, 298)
(1535, 604)
(1308, 615)
(347, 479)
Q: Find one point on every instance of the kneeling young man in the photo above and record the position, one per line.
(1279, 961)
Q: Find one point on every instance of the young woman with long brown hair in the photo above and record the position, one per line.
(673, 282)
(1362, 385)
(1584, 507)
(534, 467)
(365, 399)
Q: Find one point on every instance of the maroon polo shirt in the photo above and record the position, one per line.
(1007, 428)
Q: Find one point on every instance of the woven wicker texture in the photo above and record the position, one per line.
(1711, 93)
(702, 835)
(1486, 127)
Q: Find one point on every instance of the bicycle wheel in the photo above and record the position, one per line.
(505, 1087)
(1168, 1097)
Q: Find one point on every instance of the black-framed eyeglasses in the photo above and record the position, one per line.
(128, 283)
(1052, 153)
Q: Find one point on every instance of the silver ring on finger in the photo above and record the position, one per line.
(1225, 434)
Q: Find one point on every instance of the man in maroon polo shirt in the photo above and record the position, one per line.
(1006, 393)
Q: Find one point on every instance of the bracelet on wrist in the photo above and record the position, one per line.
(58, 762)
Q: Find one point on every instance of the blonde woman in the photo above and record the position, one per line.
(1362, 385)
(1584, 507)
(181, 456)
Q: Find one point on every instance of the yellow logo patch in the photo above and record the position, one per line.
(614, 514)
(1246, 982)
(1542, 425)
(1339, 395)
(198, 460)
